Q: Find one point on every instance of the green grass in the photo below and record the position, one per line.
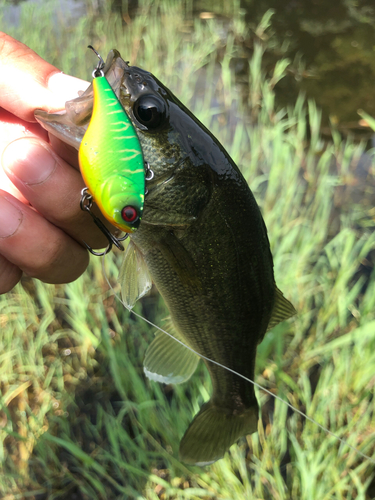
(77, 414)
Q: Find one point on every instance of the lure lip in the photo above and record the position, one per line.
(70, 124)
(129, 83)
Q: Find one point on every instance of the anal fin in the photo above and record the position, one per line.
(168, 361)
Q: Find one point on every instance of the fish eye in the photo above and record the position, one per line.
(149, 110)
(129, 214)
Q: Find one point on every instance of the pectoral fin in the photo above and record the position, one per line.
(180, 260)
(134, 277)
(168, 361)
(282, 310)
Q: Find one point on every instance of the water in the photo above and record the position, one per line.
(332, 46)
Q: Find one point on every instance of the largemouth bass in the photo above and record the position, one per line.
(205, 244)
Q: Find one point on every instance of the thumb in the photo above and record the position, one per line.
(28, 82)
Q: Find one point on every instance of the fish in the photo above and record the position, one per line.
(204, 243)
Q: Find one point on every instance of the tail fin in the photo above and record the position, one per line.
(213, 431)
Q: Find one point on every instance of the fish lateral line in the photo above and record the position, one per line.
(259, 386)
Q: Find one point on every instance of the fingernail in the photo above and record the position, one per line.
(28, 160)
(65, 86)
(10, 218)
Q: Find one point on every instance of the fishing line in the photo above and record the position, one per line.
(342, 441)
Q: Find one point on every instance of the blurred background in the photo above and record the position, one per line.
(288, 89)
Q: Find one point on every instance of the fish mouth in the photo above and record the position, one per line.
(70, 124)
(59, 125)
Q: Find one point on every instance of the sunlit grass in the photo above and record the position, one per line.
(78, 415)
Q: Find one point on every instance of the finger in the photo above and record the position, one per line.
(28, 82)
(65, 151)
(10, 275)
(12, 128)
(52, 187)
(36, 246)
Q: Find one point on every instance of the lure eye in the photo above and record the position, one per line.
(129, 214)
(149, 110)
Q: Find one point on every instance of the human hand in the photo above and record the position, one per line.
(41, 224)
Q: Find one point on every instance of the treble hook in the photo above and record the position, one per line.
(86, 204)
(98, 71)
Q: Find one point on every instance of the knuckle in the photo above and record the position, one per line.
(12, 49)
(59, 262)
(9, 275)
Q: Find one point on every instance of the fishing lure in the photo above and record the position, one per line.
(111, 162)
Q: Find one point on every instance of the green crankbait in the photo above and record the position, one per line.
(111, 160)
